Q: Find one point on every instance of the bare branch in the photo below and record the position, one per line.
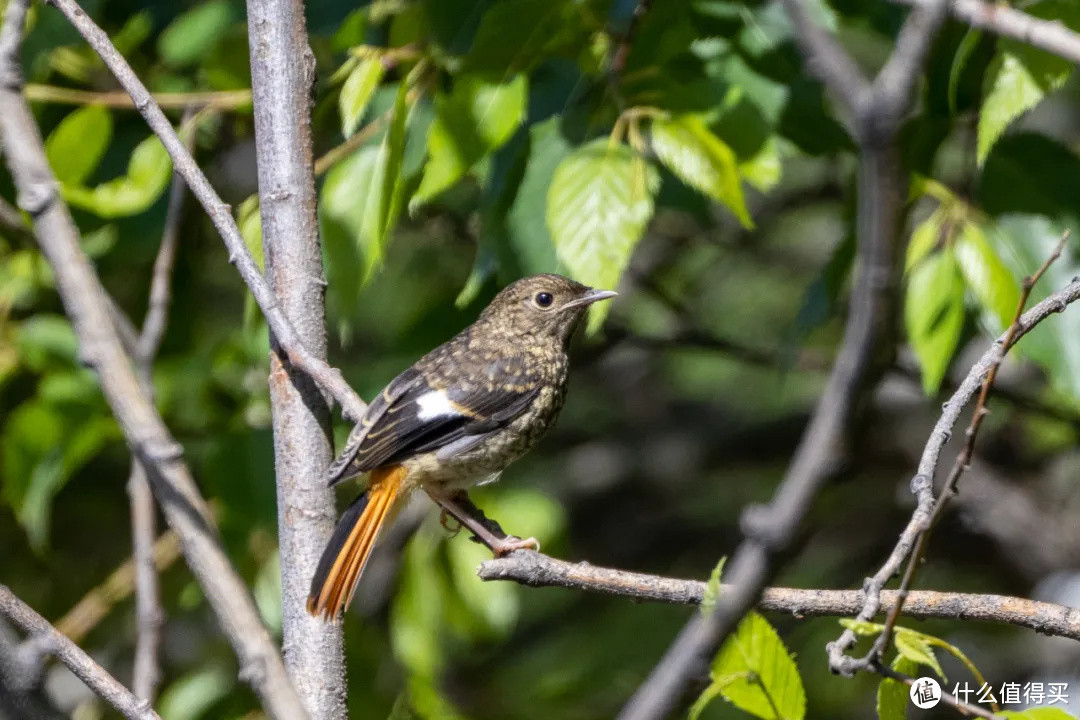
(534, 569)
(928, 509)
(120, 100)
(895, 83)
(67, 652)
(826, 60)
(1001, 19)
(282, 74)
(100, 348)
(298, 355)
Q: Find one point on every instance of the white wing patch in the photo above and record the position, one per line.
(435, 404)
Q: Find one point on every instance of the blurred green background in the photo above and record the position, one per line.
(708, 178)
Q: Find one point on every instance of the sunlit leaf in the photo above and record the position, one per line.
(701, 160)
(193, 34)
(77, 144)
(600, 200)
(712, 588)
(914, 647)
(357, 91)
(475, 118)
(756, 673)
(934, 315)
(148, 174)
(924, 238)
(987, 277)
(892, 695)
(192, 695)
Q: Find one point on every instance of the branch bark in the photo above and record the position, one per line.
(877, 112)
(282, 74)
(51, 641)
(1001, 19)
(535, 569)
(100, 348)
(299, 356)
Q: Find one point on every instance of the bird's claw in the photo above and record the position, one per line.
(510, 543)
(449, 523)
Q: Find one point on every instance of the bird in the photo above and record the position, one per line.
(455, 418)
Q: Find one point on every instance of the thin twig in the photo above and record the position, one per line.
(100, 348)
(963, 459)
(926, 509)
(1001, 19)
(534, 569)
(96, 677)
(299, 356)
(120, 100)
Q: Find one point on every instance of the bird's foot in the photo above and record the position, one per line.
(451, 524)
(506, 545)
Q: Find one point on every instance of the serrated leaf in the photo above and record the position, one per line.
(1017, 81)
(357, 91)
(477, 117)
(703, 161)
(148, 174)
(712, 588)
(599, 202)
(914, 647)
(756, 673)
(924, 238)
(934, 315)
(192, 35)
(76, 145)
(892, 695)
(986, 275)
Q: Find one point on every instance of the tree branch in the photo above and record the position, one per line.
(927, 508)
(298, 355)
(120, 100)
(1001, 19)
(864, 351)
(534, 569)
(96, 677)
(100, 348)
(282, 74)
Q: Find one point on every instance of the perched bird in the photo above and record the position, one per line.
(456, 418)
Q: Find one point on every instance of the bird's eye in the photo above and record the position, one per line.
(544, 299)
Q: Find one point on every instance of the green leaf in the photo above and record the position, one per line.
(1018, 80)
(76, 145)
(474, 119)
(701, 160)
(1041, 713)
(267, 592)
(924, 238)
(756, 673)
(528, 233)
(914, 646)
(712, 588)
(357, 91)
(148, 174)
(892, 695)
(363, 194)
(934, 315)
(46, 341)
(516, 34)
(192, 695)
(192, 35)
(599, 202)
(862, 627)
(764, 169)
(987, 276)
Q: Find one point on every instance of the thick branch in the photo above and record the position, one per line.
(46, 636)
(100, 348)
(298, 355)
(1001, 19)
(282, 74)
(534, 569)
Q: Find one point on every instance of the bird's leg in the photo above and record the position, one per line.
(485, 530)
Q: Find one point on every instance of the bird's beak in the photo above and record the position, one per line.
(589, 298)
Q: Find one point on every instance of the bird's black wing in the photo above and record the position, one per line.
(417, 414)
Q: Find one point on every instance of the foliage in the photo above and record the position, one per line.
(708, 177)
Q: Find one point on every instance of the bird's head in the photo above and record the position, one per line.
(542, 305)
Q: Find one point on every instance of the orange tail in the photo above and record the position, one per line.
(347, 552)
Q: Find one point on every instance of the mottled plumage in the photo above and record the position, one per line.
(457, 417)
